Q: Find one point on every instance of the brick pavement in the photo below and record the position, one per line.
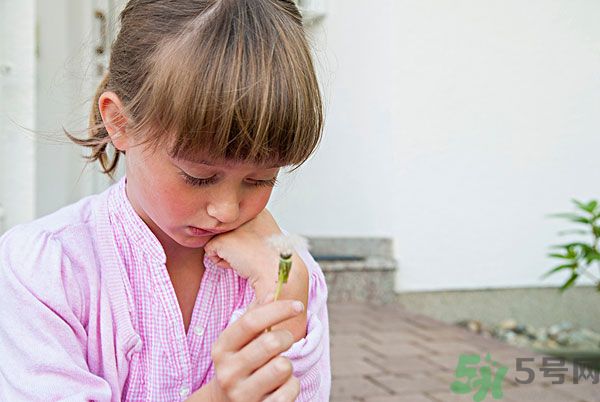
(386, 354)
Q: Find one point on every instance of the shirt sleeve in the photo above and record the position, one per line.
(310, 355)
(42, 338)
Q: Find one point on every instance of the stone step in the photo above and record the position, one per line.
(356, 269)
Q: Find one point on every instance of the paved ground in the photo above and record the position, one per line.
(385, 354)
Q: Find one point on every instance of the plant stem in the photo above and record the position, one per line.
(278, 290)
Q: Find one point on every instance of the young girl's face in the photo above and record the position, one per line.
(192, 201)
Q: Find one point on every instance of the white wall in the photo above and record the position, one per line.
(17, 108)
(454, 127)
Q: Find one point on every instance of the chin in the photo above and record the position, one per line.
(194, 242)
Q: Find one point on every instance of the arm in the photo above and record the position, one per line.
(42, 340)
(295, 289)
(246, 251)
(310, 353)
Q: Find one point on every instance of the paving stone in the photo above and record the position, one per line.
(584, 392)
(343, 353)
(356, 387)
(446, 362)
(402, 365)
(383, 354)
(403, 385)
(338, 340)
(452, 348)
(396, 336)
(537, 393)
(397, 349)
(354, 367)
(449, 396)
(400, 398)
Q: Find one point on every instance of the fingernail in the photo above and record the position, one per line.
(298, 306)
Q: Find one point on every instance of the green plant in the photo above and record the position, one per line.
(579, 257)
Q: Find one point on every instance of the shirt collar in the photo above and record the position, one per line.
(125, 219)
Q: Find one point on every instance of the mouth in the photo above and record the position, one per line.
(203, 232)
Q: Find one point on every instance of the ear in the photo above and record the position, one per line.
(115, 120)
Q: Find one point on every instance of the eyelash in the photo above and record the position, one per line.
(199, 182)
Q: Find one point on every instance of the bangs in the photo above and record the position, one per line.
(237, 84)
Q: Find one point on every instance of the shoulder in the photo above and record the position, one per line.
(69, 231)
(52, 258)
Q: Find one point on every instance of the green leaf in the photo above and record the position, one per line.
(560, 268)
(589, 207)
(579, 204)
(592, 255)
(570, 282)
(572, 217)
(573, 231)
(563, 256)
(572, 245)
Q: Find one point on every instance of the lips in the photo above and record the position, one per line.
(199, 232)
(204, 232)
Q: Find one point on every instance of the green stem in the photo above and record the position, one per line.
(278, 290)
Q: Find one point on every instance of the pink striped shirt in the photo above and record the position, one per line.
(89, 312)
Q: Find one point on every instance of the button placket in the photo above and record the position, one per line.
(198, 330)
(184, 391)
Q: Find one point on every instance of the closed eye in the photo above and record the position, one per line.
(266, 183)
(198, 181)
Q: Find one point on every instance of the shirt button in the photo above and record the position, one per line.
(184, 391)
(199, 331)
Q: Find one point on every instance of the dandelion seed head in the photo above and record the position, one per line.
(286, 244)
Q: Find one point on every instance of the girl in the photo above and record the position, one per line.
(158, 289)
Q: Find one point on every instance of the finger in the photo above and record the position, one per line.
(211, 248)
(219, 262)
(262, 349)
(253, 322)
(260, 301)
(269, 378)
(289, 391)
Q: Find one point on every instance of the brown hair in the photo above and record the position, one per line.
(232, 79)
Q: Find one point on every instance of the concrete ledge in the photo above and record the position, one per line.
(536, 306)
(356, 269)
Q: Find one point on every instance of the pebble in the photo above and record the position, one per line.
(561, 335)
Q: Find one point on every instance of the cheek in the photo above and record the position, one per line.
(256, 202)
(176, 201)
(167, 196)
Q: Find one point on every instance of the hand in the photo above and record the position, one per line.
(247, 363)
(245, 250)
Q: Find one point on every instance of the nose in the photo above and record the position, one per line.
(224, 210)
